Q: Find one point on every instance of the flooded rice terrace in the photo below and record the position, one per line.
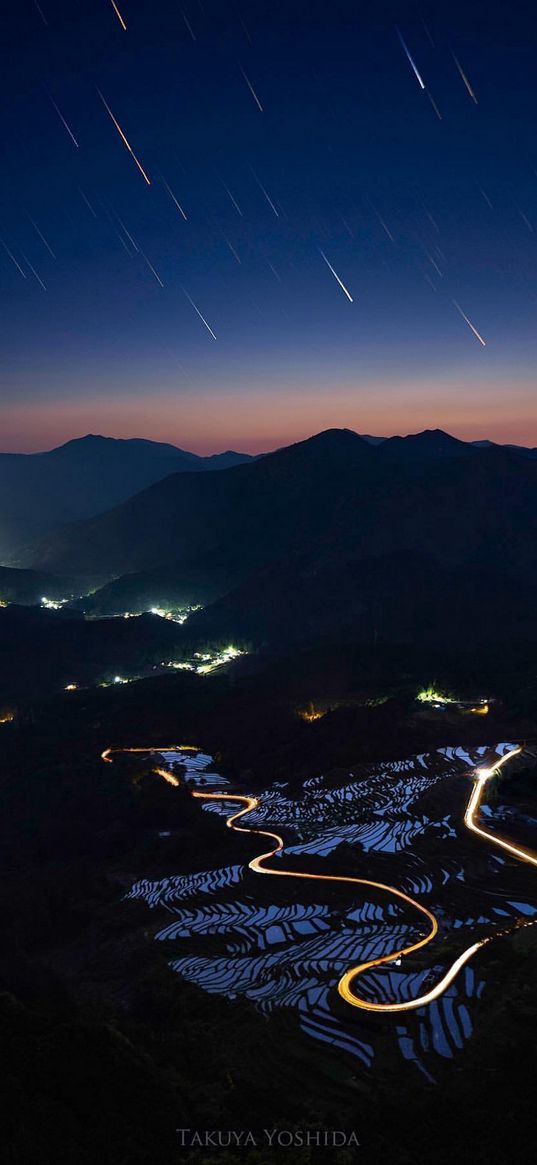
(280, 942)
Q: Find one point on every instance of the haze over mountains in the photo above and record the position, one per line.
(39, 491)
(422, 536)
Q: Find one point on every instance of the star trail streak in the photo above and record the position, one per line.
(410, 58)
(232, 199)
(87, 201)
(13, 259)
(469, 322)
(252, 90)
(465, 79)
(262, 188)
(34, 272)
(41, 236)
(151, 268)
(63, 121)
(124, 139)
(336, 276)
(119, 16)
(41, 13)
(174, 199)
(202, 318)
(188, 25)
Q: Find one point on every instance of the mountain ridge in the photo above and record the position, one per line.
(83, 477)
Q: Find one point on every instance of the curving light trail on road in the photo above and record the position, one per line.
(345, 985)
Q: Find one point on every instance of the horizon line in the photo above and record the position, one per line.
(369, 437)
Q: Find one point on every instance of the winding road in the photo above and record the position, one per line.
(348, 980)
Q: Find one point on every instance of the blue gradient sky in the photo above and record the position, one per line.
(347, 138)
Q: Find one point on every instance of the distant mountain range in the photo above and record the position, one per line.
(40, 491)
(413, 536)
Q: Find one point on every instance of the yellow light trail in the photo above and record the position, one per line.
(469, 322)
(106, 755)
(169, 777)
(124, 139)
(482, 776)
(345, 984)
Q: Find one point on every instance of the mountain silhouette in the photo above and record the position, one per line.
(40, 491)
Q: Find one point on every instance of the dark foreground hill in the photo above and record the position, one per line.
(42, 651)
(40, 491)
(396, 598)
(29, 586)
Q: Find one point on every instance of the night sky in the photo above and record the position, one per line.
(288, 146)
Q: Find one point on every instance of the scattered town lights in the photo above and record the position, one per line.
(53, 604)
(437, 700)
(174, 614)
(430, 696)
(311, 713)
(212, 662)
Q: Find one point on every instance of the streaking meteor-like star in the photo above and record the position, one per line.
(188, 25)
(336, 276)
(232, 249)
(122, 241)
(262, 188)
(150, 265)
(434, 263)
(33, 270)
(381, 221)
(434, 105)
(13, 259)
(274, 271)
(119, 16)
(87, 201)
(63, 121)
(413, 65)
(172, 196)
(525, 220)
(428, 34)
(233, 200)
(252, 90)
(469, 322)
(127, 233)
(196, 309)
(465, 79)
(41, 13)
(41, 236)
(124, 139)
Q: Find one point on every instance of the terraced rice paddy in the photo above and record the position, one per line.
(286, 943)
